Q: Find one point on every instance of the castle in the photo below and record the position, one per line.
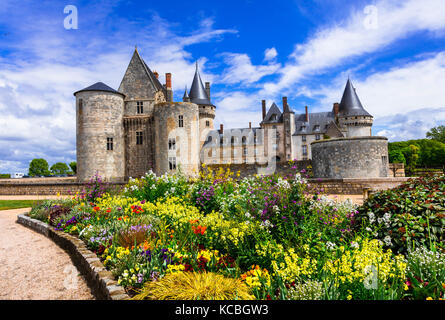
(127, 132)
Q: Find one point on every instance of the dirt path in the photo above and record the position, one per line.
(32, 267)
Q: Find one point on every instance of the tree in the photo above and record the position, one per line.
(437, 133)
(411, 154)
(59, 168)
(396, 156)
(73, 165)
(38, 167)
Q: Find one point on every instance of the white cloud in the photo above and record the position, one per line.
(241, 70)
(270, 54)
(334, 45)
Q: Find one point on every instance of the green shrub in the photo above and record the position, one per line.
(410, 215)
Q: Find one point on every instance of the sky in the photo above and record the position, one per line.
(393, 52)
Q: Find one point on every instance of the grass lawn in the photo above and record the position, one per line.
(16, 204)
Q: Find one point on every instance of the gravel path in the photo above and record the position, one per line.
(32, 267)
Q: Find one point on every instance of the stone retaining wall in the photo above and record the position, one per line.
(100, 280)
(329, 186)
(353, 185)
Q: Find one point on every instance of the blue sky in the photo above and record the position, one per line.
(394, 52)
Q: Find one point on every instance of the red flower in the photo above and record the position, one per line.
(268, 297)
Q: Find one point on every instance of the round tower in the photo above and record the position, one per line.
(99, 133)
(176, 126)
(200, 95)
(353, 119)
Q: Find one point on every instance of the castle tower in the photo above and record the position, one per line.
(289, 129)
(176, 127)
(200, 95)
(352, 118)
(99, 131)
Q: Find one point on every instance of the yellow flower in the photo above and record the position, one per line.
(429, 298)
(349, 297)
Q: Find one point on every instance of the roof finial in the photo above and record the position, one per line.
(196, 65)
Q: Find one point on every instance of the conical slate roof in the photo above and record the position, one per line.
(198, 93)
(99, 86)
(185, 97)
(350, 104)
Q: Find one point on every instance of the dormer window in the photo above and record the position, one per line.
(302, 128)
(317, 128)
(273, 117)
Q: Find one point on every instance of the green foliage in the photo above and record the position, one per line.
(5, 175)
(426, 274)
(38, 167)
(420, 153)
(437, 133)
(412, 214)
(396, 156)
(73, 166)
(59, 168)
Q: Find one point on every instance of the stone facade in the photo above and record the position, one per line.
(151, 132)
(99, 119)
(356, 157)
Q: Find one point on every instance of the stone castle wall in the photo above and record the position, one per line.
(99, 116)
(357, 157)
(166, 126)
(139, 157)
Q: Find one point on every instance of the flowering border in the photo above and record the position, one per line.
(101, 281)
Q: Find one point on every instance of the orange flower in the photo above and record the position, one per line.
(199, 229)
(96, 209)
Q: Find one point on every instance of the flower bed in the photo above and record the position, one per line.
(262, 237)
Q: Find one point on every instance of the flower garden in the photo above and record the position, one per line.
(262, 237)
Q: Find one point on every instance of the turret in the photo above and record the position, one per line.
(200, 95)
(353, 119)
(100, 135)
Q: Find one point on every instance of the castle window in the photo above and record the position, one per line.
(316, 128)
(109, 143)
(274, 127)
(275, 146)
(235, 153)
(207, 123)
(139, 137)
(384, 160)
(181, 121)
(140, 107)
(317, 137)
(302, 128)
(172, 144)
(305, 150)
(245, 151)
(303, 138)
(244, 140)
(172, 163)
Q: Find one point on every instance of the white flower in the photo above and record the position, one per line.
(354, 245)
(330, 245)
(371, 217)
(387, 240)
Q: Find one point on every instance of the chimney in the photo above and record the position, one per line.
(285, 106)
(263, 103)
(250, 125)
(336, 108)
(208, 89)
(156, 74)
(168, 86)
(221, 128)
(307, 115)
(168, 80)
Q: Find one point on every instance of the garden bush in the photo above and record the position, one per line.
(262, 237)
(408, 216)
